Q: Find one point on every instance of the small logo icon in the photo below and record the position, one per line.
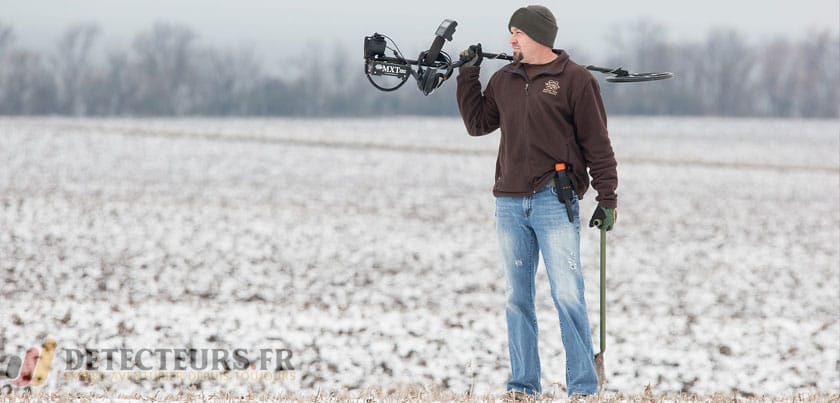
(35, 367)
(551, 87)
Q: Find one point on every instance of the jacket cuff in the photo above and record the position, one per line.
(469, 72)
(608, 202)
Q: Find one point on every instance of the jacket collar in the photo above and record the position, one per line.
(554, 68)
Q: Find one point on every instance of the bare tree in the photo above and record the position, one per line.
(72, 62)
(111, 90)
(726, 73)
(642, 45)
(228, 77)
(164, 62)
(778, 78)
(818, 76)
(28, 85)
(6, 38)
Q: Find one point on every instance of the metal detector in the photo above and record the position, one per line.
(434, 66)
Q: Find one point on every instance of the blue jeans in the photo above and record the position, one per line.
(527, 225)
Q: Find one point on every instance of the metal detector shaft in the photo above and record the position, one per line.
(502, 56)
(599, 357)
(603, 293)
(485, 55)
(619, 71)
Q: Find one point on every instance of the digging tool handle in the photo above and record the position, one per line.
(603, 290)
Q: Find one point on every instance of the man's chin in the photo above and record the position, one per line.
(517, 57)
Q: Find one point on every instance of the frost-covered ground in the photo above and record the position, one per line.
(367, 247)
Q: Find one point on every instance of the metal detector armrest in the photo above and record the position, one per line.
(443, 34)
(446, 29)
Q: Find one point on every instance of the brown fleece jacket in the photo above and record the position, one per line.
(556, 116)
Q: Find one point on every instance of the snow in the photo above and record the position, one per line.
(367, 247)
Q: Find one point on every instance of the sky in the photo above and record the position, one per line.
(281, 29)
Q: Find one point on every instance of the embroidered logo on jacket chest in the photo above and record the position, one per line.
(551, 87)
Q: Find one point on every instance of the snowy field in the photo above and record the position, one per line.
(368, 249)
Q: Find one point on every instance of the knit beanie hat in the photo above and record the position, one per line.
(536, 21)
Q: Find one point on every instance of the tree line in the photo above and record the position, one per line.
(167, 72)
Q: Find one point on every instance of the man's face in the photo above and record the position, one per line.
(523, 45)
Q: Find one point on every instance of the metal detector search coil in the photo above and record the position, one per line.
(434, 66)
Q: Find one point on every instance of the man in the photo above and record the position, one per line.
(550, 111)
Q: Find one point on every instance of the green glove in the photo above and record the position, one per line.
(603, 218)
(472, 57)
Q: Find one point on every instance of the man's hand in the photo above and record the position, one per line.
(603, 218)
(472, 57)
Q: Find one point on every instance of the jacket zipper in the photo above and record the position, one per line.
(525, 124)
